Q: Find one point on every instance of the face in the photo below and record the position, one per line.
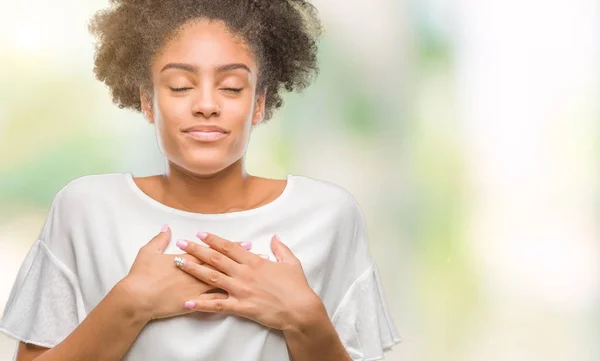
(204, 100)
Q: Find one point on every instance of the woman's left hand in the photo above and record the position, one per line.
(274, 294)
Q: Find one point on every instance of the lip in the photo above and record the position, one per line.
(205, 136)
(205, 133)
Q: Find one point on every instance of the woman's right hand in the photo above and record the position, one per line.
(157, 286)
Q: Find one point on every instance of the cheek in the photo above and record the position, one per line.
(168, 120)
(172, 108)
(237, 115)
(243, 127)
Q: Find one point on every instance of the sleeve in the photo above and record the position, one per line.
(45, 303)
(362, 318)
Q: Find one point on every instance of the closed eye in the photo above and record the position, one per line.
(180, 89)
(235, 90)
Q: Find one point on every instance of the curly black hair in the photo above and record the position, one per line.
(282, 34)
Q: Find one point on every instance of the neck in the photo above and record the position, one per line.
(224, 191)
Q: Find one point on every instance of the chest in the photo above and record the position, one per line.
(106, 255)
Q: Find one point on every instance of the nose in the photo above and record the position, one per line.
(205, 103)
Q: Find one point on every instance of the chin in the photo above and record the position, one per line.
(206, 164)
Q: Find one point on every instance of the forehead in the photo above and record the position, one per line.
(206, 44)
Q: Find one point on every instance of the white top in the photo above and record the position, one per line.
(98, 223)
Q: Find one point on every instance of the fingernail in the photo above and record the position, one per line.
(164, 228)
(246, 245)
(189, 304)
(277, 238)
(264, 256)
(181, 243)
(201, 235)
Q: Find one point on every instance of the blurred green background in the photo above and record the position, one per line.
(467, 131)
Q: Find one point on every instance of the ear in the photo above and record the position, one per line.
(146, 106)
(259, 110)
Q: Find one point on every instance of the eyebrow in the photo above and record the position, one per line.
(194, 69)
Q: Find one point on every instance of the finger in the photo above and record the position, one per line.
(203, 304)
(209, 256)
(210, 276)
(282, 252)
(247, 245)
(160, 242)
(204, 298)
(189, 258)
(226, 248)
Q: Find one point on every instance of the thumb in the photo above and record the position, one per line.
(160, 242)
(282, 252)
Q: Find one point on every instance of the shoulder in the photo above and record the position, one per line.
(82, 189)
(327, 195)
(335, 207)
(321, 189)
(87, 193)
(76, 206)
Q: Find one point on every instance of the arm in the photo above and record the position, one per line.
(315, 338)
(113, 326)
(153, 289)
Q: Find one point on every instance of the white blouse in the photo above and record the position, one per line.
(98, 223)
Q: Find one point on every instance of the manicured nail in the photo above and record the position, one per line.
(182, 244)
(164, 228)
(264, 256)
(189, 304)
(201, 235)
(246, 245)
(277, 238)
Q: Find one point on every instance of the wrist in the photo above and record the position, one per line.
(312, 331)
(131, 305)
(309, 316)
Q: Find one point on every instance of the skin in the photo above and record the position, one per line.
(274, 294)
(204, 178)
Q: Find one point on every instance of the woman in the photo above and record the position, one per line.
(244, 268)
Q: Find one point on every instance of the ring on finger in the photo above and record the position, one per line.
(179, 261)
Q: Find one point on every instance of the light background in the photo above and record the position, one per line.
(467, 130)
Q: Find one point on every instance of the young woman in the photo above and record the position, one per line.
(204, 262)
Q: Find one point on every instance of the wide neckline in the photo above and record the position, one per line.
(248, 212)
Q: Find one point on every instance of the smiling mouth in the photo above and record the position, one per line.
(205, 136)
